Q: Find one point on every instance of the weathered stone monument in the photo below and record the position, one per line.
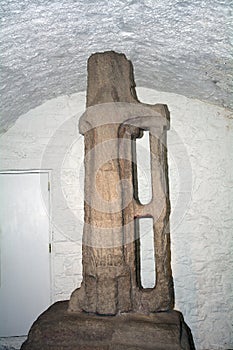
(111, 309)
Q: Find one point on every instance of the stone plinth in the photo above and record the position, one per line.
(57, 329)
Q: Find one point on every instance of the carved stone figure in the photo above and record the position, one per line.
(113, 120)
(111, 309)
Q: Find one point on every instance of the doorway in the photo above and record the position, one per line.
(25, 281)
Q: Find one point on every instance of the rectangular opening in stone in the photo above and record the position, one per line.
(143, 168)
(145, 253)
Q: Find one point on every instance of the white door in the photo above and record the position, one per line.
(24, 252)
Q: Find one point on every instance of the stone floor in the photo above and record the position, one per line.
(11, 343)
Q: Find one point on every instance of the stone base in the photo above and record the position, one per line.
(57, 329)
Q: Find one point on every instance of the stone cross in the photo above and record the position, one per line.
(111, 265)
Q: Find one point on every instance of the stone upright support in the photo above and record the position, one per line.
(113, 120)
(111, 265)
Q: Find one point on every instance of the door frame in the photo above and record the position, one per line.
(50, 238)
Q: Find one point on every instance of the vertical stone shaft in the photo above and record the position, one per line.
(103, 249)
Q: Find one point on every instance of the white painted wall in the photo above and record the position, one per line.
(200, 174)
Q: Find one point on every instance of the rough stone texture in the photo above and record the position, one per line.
(201, 227)
(177, 46)
(59, 330)
(110, 267)
(12, 343)
(110, 262)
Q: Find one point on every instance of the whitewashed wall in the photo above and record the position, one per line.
(201, 190)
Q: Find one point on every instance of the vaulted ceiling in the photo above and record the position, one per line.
(181, 46)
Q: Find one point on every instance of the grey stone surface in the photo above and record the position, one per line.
(57, 329)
